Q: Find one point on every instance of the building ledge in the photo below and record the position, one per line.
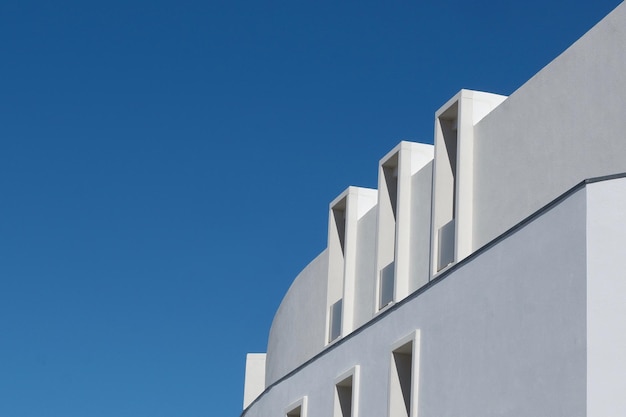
(449, 270)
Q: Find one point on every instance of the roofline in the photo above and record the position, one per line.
(441, 276)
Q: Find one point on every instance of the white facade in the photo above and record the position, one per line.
(484, 276)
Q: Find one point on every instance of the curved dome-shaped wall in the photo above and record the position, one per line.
(298, 329)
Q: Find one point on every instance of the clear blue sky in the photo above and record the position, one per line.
(166, 168)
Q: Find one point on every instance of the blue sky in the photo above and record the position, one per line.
(166, 169)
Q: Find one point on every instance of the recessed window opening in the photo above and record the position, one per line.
(296, 412)
(401, 384)
(335, 321)
(446, 244)
(448, 123)
(297, 409)
(386, 275)
(340, 220)
(343, 398)
(336, 267)
(386, 286)
(390, 171)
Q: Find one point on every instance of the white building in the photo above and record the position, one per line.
(484, 277)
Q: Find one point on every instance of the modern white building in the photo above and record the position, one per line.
(485, 276)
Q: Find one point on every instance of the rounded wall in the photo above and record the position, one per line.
(299, 326)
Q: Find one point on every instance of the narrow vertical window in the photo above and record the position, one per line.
(344, 398)
(403, 375)
(387, 284)
(296, 412)
(336, 267)
(390, 172)
(346, 390)
(297, 409)
(340, 220)
(335, 321)
(387, 220)
(447, 182)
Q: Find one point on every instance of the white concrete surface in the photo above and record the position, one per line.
(606, 299)
(513, 322)
(395, 173)
(453, 184)
(344, 214)
(365, 292)
(255, 377)
(503, 335)
(564, 125)
(419, 251)
(298, 330)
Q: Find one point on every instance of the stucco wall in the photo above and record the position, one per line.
(365, 269)
(502, 334)
(421, 201)
(606, 296)
(564, 125)
(298, 329)
(255, 377)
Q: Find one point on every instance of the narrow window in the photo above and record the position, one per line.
(336, 268)
(296, 412)
(335, 321)
(297, 409)
(446, 192)
(387, 218)
(343, 398)
(387, 284)
(402, 384)
(346, 394)
(340, 221)
(390, 171)
(446, 235)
